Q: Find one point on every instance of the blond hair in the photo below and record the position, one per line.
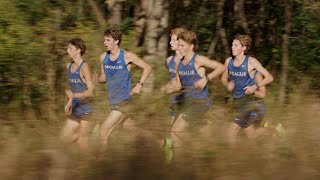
(189, 37)
(245, 40)
(177, 31)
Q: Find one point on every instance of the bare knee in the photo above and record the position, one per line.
(68, 138)
(250, 132)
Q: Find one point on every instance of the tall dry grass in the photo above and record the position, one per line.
(32, 150)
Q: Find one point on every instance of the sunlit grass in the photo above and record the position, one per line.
(31, 150)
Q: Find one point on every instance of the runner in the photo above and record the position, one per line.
(192, 79)
(115, 71)
(78, 108)
(247, 87)
(175, 99)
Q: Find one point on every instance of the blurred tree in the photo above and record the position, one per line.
(156, 37)
(285, 52)
(220, 31)
(99, 15)
(34, 33)
(115, 8)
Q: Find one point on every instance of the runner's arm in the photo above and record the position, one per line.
(102, 77)
(261, 92)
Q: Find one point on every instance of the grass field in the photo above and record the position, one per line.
(31, 150)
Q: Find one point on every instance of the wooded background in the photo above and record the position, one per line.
(34, 33)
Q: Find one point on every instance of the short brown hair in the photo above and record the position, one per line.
(245, 40)
(189, 37)
(79, 44)
(177, 31)
(115, 33)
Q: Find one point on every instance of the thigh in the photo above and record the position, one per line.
(84, 127)
(233, 129)
(250, 132)
(114, 118)
(70, 127)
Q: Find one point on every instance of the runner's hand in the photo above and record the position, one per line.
(136, 89)
(171, 87)
(250, 89)
(68, 108)
(199, 85)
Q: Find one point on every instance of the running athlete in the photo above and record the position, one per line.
(80, 95)
(247, 80)
(171, 63)
(175, 99)
(115, 71)
(193, 80)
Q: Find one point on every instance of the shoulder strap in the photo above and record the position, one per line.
(69, 68)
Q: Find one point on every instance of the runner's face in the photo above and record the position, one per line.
(237, 48)
(184, 48)
(109, 43)
(72, 51)
(174, 42)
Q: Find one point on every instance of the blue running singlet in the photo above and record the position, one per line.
(188, 76)
(118, 78)
(172, 68)
(79, 105)
(75, 81)
(241, 77)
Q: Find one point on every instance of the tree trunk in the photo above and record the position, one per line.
(156, 35)
(51, 69)
(285, 53)
(239, 12)
(220, 31)
(262, 18)
(225, 43)
(28, 110)
(100, 19)
(115, 7)
(220, 13)
(140, 21)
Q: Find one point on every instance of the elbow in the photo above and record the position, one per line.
(91, 93)
(101, 80)
(271, 78)
(223, 68)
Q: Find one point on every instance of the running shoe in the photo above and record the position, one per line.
(168, 150)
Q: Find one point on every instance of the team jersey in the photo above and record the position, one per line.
(241, 77)
(188, 76)
(118, 78)
(79, 105)
(75, 81)
(172, 69)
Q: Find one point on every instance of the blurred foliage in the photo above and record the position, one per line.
(34, 35)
